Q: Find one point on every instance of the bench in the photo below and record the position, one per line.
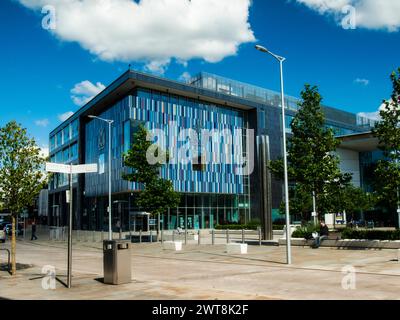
(236, 248)
(173, 245)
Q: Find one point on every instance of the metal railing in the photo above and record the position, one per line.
(8, 260)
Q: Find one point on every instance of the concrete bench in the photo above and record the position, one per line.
(236, 248)
(173, 245)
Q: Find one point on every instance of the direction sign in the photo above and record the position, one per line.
(71, 169)
(85, 168)
(58, 167)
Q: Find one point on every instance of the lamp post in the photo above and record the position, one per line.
(285, 164)
(109, 122)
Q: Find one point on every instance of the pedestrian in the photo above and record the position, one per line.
(33, 237)
(323, 234)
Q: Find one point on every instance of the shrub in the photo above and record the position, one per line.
(370, 234)
(305, 232)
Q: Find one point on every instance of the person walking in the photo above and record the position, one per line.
(33, 237)
(323, 234)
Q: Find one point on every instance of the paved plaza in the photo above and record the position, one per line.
(207, 272)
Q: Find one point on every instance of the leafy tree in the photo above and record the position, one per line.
(313, 165)
(350, 199)
(158, 194)
(388, 133)
(21, 178)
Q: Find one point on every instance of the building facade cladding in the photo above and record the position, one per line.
(212, 195)
(170, 114)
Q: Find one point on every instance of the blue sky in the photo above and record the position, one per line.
(39, 68)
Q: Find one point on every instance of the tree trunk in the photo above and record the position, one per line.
(13, 247)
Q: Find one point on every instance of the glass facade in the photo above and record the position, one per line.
(213, 191)
(64, 149)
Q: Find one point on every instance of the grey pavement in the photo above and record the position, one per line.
(207, 272)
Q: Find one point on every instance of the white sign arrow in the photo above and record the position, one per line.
(58, 167)
(71, 169)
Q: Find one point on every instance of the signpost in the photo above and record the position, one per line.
(70, 170)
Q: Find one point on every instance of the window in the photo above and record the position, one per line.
(65, 154)
(74, 151)
(59, 139)
(66, 134)
(261, 119)
(199, 164)
(101, 164)
(52, 143)
(74, 129)
(127, 135)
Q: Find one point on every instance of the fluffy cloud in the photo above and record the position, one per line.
(42, 123)
(152, 31)
(374, 115)
(85, 91)
(64, 116)
(364, 82)
(370, 14)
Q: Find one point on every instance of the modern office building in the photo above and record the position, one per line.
(214, 192)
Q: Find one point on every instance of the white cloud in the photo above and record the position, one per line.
(64, 116)
(42, 123)
(370, 14)
(185, 77)
(85, 91)
(152, 31)
(364, 82)
(44, 151)
(374, 115)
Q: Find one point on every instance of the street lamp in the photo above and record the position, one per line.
(285, 164)
(110, 122)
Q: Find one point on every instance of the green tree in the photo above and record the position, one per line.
(350, 199)
(21, 175)
(388, 133)
(158, 194)
(313, 165)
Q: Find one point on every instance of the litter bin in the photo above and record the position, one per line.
(117, 262)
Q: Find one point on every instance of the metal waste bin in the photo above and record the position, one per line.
(117, 262)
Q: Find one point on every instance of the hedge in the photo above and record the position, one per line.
(370, 234)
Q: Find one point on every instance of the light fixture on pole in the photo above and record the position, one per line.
(109, 122)
(285, 163)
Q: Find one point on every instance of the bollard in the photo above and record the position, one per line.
(140, 236)
(243, 236)
(186, 236)
(162, 235)
(151, 236)
(173, 235)
(199, 237)
(78, 235)
(259, 237)
(213, 237)
(227, 235)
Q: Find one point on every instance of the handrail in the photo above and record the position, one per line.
(9, 258)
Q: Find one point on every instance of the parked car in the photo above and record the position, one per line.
(8, 229)
(2, 236)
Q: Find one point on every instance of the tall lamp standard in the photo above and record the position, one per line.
(285, 164)
(110, 122)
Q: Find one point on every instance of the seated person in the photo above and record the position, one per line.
(323, 234)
